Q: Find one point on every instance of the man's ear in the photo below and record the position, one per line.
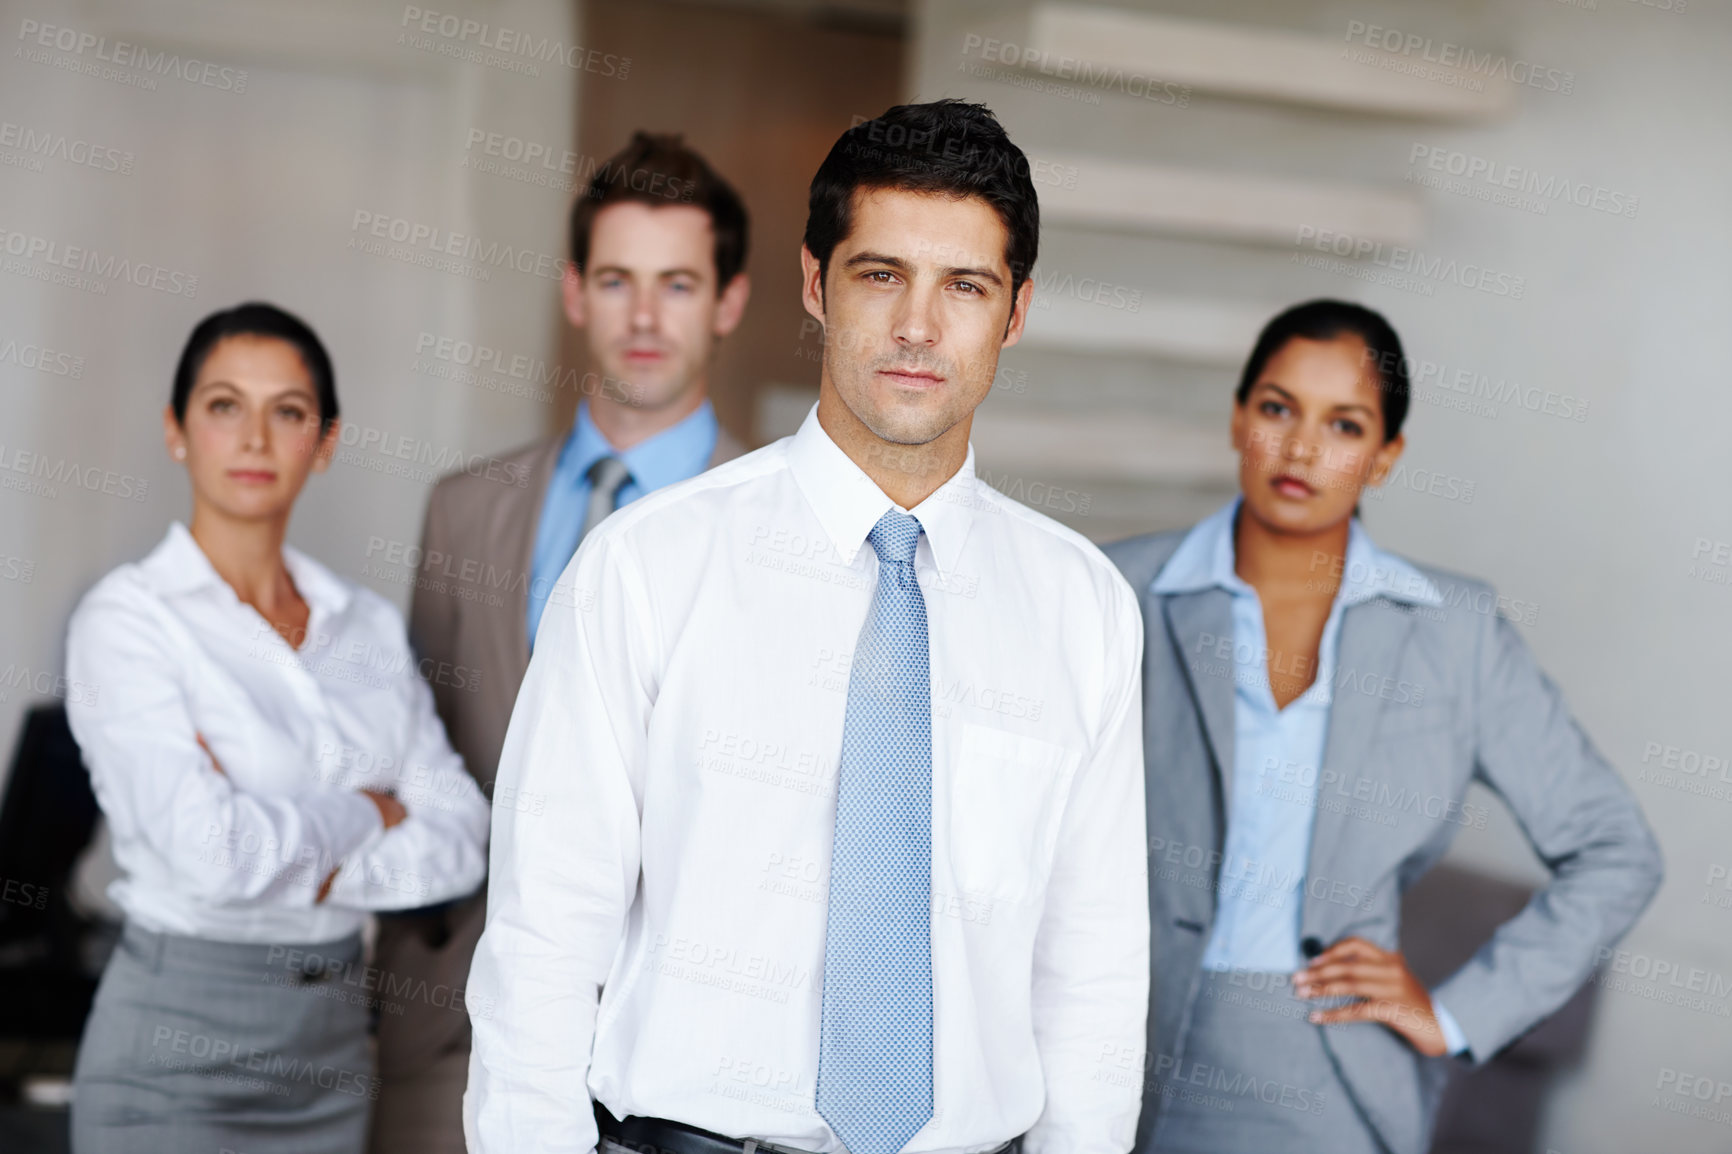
(731, 305)
(1018, 313)
(811, 284)
(571, 289)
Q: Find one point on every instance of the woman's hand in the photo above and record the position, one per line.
(391, 812)
(390, 809)
(1355, 968)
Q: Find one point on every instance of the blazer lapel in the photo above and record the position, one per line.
(1373, 634)
(1370, 1058)
(1196, 621)
(519, 519)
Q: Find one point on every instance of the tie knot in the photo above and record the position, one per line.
(894, 537)
(608, 474)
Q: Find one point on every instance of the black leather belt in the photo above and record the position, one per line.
(656, 1136)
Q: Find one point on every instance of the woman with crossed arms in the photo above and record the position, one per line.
(271, 769)
(1315, 709)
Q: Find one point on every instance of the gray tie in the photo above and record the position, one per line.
(606, 477)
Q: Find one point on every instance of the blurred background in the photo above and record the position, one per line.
(1534, 191)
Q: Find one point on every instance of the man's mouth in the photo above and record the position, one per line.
(913, 377)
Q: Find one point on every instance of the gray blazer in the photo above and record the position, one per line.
(1426, 700)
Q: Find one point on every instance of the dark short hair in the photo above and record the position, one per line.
(257, 319)
(658, 169)
(946, 147)
(1324, 320)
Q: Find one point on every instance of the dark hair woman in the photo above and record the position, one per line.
(1316, 708)
(271, 769)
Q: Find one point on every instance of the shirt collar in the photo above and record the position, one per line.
(178, 565)
(681, 450)
(849, 503)
(1204, 560)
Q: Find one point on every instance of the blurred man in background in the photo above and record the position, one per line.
(658, 252)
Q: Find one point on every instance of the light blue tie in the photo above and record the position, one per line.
(875, 1045)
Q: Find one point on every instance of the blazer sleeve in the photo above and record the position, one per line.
(1583, 823)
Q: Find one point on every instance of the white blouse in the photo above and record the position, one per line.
(164, 653)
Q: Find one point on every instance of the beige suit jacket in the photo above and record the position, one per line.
(469, 610)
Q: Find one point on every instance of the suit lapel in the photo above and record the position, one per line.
(519, 517)
(518, 521)
(1373, 634)
(1195, 621)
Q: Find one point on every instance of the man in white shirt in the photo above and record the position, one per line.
(829, 831)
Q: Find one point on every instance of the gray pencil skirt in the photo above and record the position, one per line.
(201, 1047)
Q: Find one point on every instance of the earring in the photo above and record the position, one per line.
(180, 452)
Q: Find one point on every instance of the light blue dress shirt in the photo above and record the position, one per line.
(1277, 753)
(677, 452)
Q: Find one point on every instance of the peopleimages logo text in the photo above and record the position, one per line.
(91, 262)
(1412, 261)
(1485, 65)
(126, 55)
(511, 44)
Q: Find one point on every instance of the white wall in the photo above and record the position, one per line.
(1594, 521)
(255, 192)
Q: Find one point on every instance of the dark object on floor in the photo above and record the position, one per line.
(46, 821)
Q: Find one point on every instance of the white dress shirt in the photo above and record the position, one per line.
(162, 652)
(657, 910)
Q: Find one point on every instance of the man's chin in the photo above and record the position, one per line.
(639, 392)
(904, 419)
(906, 429)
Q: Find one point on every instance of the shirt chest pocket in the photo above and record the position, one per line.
(1006, 795)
